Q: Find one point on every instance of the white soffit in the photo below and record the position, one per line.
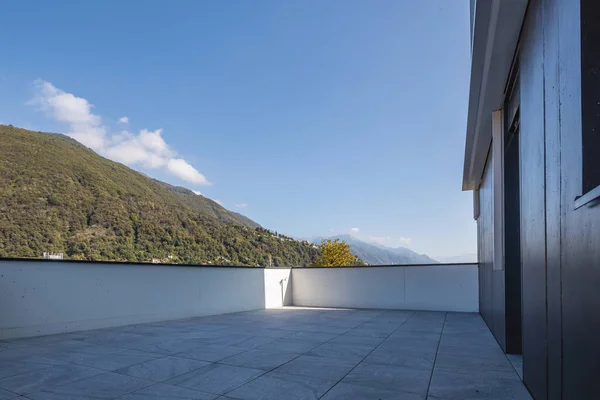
(495, 37)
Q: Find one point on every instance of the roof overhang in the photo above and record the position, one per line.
(496, 28)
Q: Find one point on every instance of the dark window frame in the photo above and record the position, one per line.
(590, 105)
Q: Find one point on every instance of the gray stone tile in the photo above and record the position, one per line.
(414, 335)
(389, 377)
(118, 339)
(318, 337)
(426, 350)
(254, 342)
(264, 359)
(10, 368)
(346, 391)
(492, 367)
(455, 386)
(368, 332)
(359, 340)
(21, 355)
(171, 347)
(41, 379)
(210, 352)
(114, 361)
(400, 345)
(68, 351)
(274, 386)
(104, 386)
(215, 378)
(317, 367)
(163, 368)
(291, 346)
(385, 357)
(161, 391)
(6, 395)
(230, 339)
(470, 350)
(345, 352)
(517, 362)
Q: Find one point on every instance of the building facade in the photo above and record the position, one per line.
(532, 160)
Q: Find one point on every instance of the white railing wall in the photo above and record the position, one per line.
(47, 297)
(41, 298)
(431, 287)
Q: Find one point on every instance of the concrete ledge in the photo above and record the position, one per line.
(433, 288)
(39, 298)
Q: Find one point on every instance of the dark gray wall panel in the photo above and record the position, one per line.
(579, 96)
(485, 243)
(533, 213)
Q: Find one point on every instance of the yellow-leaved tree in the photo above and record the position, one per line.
(335, 253)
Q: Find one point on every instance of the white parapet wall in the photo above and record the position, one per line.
(433, 287)
(278, 287)
(46, 297)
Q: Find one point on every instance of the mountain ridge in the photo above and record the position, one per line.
(59, 196)
(374, 254)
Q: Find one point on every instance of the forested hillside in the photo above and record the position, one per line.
(59, 196)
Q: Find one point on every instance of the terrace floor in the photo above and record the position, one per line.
(287, 353)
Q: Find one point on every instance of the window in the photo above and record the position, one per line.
(590, 104)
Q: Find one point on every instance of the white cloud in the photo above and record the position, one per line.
(85, 127)
(147, 148)
(242, 205)
(219, 202)
(180, 168)
(354, 230)
(389, 241)
(197, 192)
(405, 240)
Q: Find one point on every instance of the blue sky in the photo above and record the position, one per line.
(311, 117)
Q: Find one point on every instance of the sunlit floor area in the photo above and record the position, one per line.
(286, 353)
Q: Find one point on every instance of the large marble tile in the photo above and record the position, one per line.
(11, 368)
(390, 377)
(317, 367)
(210, 352)
(345, 352)
(274, 386)
(369, 332)
(291, 346)
(104, 386)
(170, 347)
(161, 391)
(215, 378)
(499, 367)
(357, 340)
(23, 356)
(163, 368)
(254, 342)
(318, 337)
(262, 358)
(345, 391)
(114, 361)
(457, 386)
(6, 395)
(400, 359)
(41, 379)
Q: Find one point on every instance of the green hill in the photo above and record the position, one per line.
(57, 195)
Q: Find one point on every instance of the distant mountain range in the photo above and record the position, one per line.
(374, 254)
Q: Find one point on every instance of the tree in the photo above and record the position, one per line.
(334, 253)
